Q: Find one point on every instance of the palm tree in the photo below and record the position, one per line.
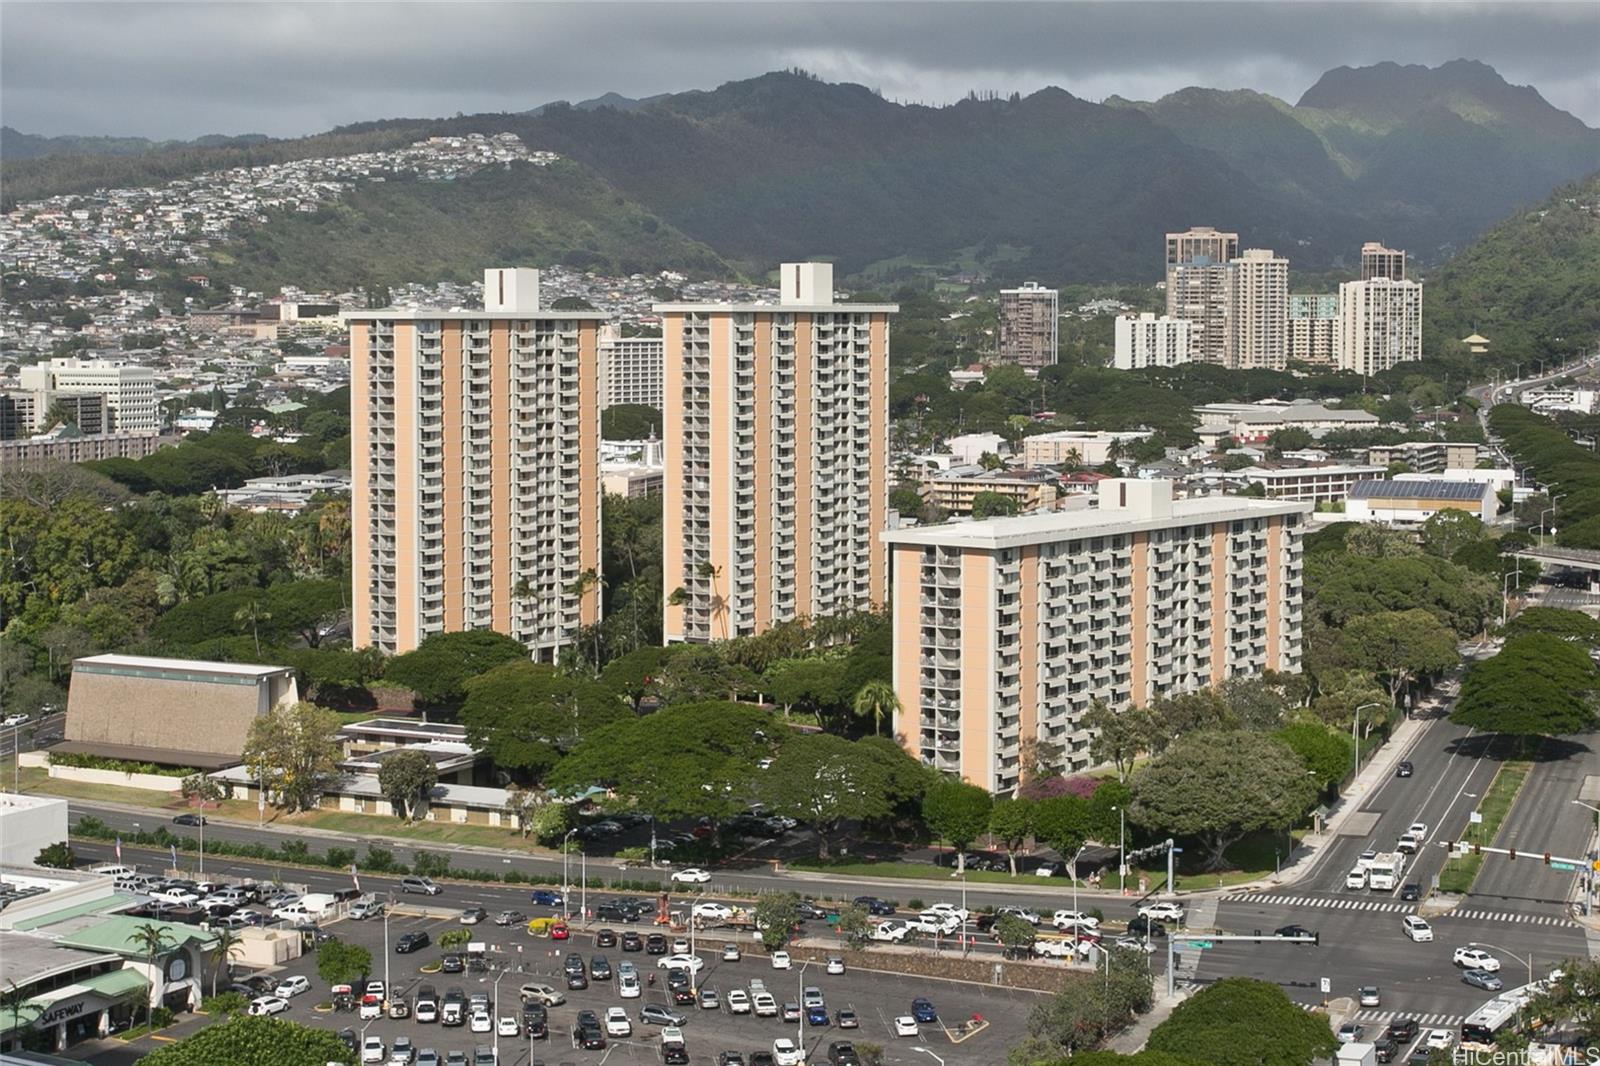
(229, 944)
(578, 590)
(718, 606)
(11, 1001)
(876, 700)
(252, 615)
(153, 940)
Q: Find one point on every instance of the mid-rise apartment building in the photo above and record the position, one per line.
(1197, 288)
(1325, 483)
(1426, 456)
(1009, 629)
(630, 369)
(1313, 328)
(775, 439)
(1029, 318)
(1151, 340)
(1380, 262)
(129, 389)
(475, 494)
(954, 491)
(1077, 447)
(1258, 311)
(1380, 324)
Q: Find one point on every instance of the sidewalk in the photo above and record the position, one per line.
(1132, 1039)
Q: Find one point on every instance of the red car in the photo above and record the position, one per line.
(559, 931)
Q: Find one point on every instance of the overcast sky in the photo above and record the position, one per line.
(184, 69)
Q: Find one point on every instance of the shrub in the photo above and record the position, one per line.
(126, 766)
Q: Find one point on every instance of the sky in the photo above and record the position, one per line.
(179, 70)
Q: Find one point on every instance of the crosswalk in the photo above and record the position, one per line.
(1370, 1016)
(1384, 906)
(1355, 903)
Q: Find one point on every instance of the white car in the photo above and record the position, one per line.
(1475, 959)
(765, 1006)
(784, 1053)
(1074, 919)
(906, 1025)
(372, 1049)
(617, 1023)
(1031, 917)
(692, 963)
(959, 913)
(291, 986)
(507, 1026)
(835, 964)
(1417, 929)
(15, 719)
(692, 876)
(718, 911)
(628, 985)
(1418, 830)
(731, 953)
(264, 1005)
(376, 988)
(1356, 878)
(780, 960)
(738, 1001)
(1164, 912)
(1437, 1038)
(480, 1022)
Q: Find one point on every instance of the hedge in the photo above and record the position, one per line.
(126, 766)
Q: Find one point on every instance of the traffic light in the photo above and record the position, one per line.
(1547, 858)
(1512, 852)
(1477, 849)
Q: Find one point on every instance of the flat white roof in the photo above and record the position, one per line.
(807, 308)
(189, 666)
(457, 314)
(1049, 526)
(1331, 470)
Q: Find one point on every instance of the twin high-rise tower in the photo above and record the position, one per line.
(475, 462)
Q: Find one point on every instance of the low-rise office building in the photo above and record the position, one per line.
(1426, 456)
(1076, 446)
(1308, 484)
(1255, 422)
(1008, 630)
(1406, 503)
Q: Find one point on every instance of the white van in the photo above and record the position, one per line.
(114, 870)
(318, 904)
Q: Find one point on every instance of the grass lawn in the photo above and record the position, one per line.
(37, 779)
(1459, 873)
(370, 825)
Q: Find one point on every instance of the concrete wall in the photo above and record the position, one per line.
(152, 782)
(181, 715)
(28, 824)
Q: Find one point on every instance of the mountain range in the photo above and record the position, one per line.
(1047, 185)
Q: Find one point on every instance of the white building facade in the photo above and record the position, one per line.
(129, 389)
(1380, 324)
(630, 369)
(1149, 340)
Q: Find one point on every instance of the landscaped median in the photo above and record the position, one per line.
(1460, 872)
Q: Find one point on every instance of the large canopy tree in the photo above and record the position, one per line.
(439, 668)
(525, 714)
(1217, 786)
(1243, 1022)
(822, 780)
(1539, 685)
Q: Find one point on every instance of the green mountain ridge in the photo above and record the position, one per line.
(1046, 186)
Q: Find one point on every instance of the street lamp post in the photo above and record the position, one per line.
(1505, 592)
(800, 1026)
(504, 969)
(1548, 510)
(1355, 732)
(1528, 962)
(566, 880)
(929, 1052)
(1122, 850)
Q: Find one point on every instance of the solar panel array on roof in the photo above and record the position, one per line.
(1416, 490)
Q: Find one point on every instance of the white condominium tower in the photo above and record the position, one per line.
(1197, 287)
(1380, 324)
(1258, 311)
(129, 389)
(1008, 629)
(475, 498)
(1313, 327)
(630, 369)
(775, 437)
(1149, 340)
(1029, 319)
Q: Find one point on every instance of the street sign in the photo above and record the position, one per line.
(1200, 945)
(1562, 866)
(1327, 985)
(1475, 817)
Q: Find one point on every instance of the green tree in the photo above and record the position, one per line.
(987, 504)
(294, 749)
(821, 780)
(1401, 646)
(1014, 933)
(876, 700)
(1570, 999)
(153, 941)
(958, 812)
(246, 1041)
(440, 667)
(525, 714)
(1326, 753)
(1539, 685)
(225, 944)
(1448, 531)
(1243, 1022)
(1219, 785)
(406, 778)
(633, 676)
(1089, 1009)
(1566, 625)
(250, 616)
(1119, 736)
(811, 683)
(1011, 823)
(340, 962)
(57, 856)
(522, 804)
(630, 421)
(775, 917)
(855, 926)
(1063, 823)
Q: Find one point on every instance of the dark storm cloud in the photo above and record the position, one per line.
(178, 70)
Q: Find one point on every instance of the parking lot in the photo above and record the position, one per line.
(515, 957)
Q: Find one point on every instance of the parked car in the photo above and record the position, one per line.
(906, 1025)
(372, 1049)
(268, 1005)
(922, 1010)
(605, 938)
(473, 915)
(731, 953)
(510, 918)
(847, 1019)
(632, 941)
(738, 1001)
(661, 1014)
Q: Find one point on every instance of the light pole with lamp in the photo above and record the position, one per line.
(1505, 592)
(1528, 962)
(1355, 734)
(1122, 850)
(566, 879)
(1589, 902)
(800, 1026)
(1550, 511)
(388, 901)
(929, 1052)
(504, 969)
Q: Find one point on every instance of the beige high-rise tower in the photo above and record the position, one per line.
(1197, 288)
(475, 498)
(1380, 262)
(775, 437)
(1258, 311)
